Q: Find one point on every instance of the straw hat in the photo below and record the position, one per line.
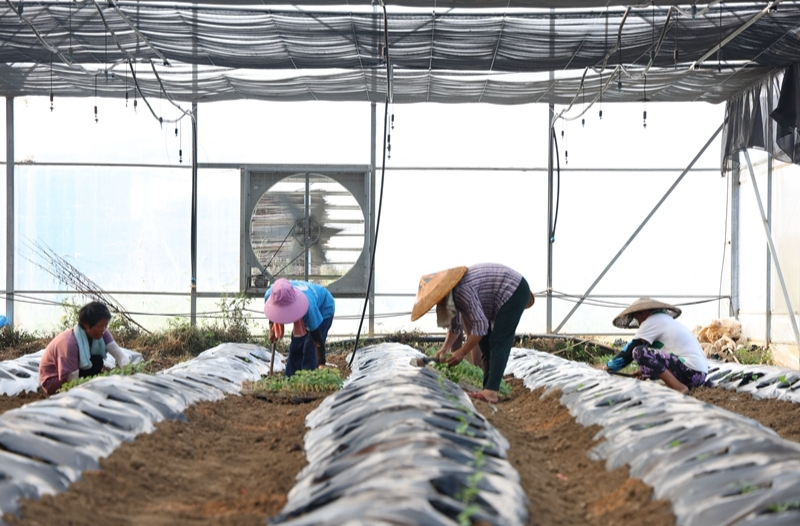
(625, 319)
(286, 304)
(433, 288)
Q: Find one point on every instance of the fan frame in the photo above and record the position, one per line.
(256, 180)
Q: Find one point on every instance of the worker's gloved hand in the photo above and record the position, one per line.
(120, 357)
(616, 364)
(275, 332)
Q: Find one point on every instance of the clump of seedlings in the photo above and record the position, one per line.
(126, 370)
(301, 383)
(467, 373)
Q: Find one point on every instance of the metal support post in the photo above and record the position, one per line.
(307, 228)
(550, 114)
(193, 241)
(774, 253)
(10, 226)
(371, 219)
(641, 226)
(194, 217)
(735, 260)
(768, 284)
(549, 287)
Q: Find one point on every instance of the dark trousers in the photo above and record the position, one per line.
(95, 369)
(302, 353)
(496, 345)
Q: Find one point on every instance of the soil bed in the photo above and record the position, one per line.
(780, 416)
(231, 464)
(235, 460)
(564, 487)
(12, 402)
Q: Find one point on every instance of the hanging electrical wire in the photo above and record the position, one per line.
(558, 188)
(383, 173)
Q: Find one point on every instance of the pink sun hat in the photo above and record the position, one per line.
(285, 304)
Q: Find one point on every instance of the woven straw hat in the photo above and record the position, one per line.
(625, 319)
(433, 288)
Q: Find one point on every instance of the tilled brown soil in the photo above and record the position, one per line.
(235, 460)
(12, 402)
(548, 449)
(231, 464)
(782, 417)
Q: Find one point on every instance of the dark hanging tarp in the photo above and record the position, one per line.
(751, 122)
(786, 115)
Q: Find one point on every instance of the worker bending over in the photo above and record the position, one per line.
(485, 300)
(310, 308)
(662, 347)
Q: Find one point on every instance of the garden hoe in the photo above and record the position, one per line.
(272, 358)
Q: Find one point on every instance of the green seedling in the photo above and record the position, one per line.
(781, 507)
(131, 368)
(468, 373)
(313, 381)
(468, 494)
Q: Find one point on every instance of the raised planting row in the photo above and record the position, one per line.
(21, 375)
(46, 445)
(400, 444)
(761, 381)
(716, 467)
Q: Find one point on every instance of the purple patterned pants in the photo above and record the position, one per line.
(653, 362)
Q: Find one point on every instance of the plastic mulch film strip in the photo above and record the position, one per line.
(716, 467)
(22, 374)
(46, 445)
(761, 381)
(401, 445)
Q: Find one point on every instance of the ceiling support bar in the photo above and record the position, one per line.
(772, 5)
(774, 253)
(641, 226)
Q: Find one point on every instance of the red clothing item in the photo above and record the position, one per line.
(60, 359)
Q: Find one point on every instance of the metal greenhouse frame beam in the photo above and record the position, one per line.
(646, 219)
(10, 240)
(772, 251)
(735, 232)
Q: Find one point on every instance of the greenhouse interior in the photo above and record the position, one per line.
(121, 92)
(178, 161)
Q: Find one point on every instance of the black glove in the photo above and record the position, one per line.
(319, 345)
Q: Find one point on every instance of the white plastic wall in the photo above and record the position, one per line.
(128, 228)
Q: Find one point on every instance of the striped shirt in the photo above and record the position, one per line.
(479, 296)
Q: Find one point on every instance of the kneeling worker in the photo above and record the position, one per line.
(486, 300)
(310, 307)
(662, 347)
(79, 352)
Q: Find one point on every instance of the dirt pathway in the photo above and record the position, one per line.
(782, 417)
(231, 464)
(235, 460)
(564, 487)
